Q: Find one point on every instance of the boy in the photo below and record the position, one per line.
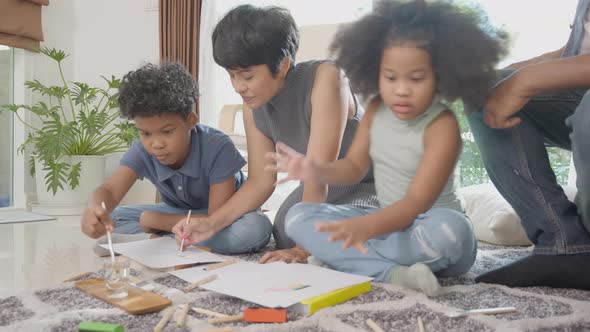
(192, 166)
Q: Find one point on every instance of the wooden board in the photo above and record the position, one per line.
(136, 303)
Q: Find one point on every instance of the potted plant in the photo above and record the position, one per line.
(73, 120)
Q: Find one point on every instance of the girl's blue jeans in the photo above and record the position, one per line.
(440, 238)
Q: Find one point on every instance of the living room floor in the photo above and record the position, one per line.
(53, 251)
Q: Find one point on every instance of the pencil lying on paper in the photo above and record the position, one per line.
(188, 220)
(200, 283)
(219, 265)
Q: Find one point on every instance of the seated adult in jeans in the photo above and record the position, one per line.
(538, 103)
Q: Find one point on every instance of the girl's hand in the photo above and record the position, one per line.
(353, 233)
(298, 166)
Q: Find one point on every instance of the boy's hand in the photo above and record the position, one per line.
(298, 166)
(198, 230)
(96, 221)
(353, 233)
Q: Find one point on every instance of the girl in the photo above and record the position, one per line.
(409, 57)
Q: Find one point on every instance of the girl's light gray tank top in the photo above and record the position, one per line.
(396, 150)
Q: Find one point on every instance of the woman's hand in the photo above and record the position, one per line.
(351, 231)
(298, 166)
(196, 231)
(292, 255)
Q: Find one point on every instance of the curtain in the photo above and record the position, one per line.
(180, 22)
(20, 23)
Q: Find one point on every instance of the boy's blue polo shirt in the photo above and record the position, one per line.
(213, 158)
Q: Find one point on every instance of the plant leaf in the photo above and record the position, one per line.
(37, 86)
(55, 54)
(127, 132)
(56, 174)
(56, 137)
(113, 82)
(32, 166)
(74, 175)
(83, 94)
(11, 108)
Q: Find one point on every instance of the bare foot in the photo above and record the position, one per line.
(292, 255)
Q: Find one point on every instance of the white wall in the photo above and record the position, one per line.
(106, 37)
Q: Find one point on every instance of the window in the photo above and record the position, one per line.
(545, 20)
(6, 129)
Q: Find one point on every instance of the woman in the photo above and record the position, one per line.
(308, 106)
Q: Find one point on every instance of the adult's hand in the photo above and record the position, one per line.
(292, 255)
(198, 230)
(505, 100)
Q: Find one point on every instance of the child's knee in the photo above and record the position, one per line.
(250, 233)
(298, 214)
(454, 225)
(124, 213)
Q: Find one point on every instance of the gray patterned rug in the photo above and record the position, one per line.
(62, 307)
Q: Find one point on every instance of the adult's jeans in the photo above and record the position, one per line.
(517, 162)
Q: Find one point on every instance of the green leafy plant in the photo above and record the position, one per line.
(75, 119)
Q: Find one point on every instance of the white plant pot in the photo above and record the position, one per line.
(142, 192)
(92, 174)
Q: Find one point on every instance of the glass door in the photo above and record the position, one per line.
(6, 127)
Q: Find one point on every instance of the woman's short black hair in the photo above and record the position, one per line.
(249, 35)
(463, 46)
(153, 90)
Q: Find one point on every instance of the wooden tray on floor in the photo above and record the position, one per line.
(136, 303)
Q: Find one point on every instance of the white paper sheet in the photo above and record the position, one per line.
(13, 217)
(272, 285)
(162, 253)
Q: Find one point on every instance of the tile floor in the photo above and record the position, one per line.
(40, 254)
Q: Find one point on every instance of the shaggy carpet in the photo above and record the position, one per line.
(62, 307)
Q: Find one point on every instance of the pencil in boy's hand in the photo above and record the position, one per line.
(188, 220)
(104, 206)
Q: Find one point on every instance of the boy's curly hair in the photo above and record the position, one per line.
(152, 90)
(463, 46)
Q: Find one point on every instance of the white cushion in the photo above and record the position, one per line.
(494, 220)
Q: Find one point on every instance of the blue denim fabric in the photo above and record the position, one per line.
(577, 34)
(249, 233)
(517, 162)
(440, 238)
(579, 122)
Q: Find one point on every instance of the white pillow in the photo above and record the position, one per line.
(494, 220)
